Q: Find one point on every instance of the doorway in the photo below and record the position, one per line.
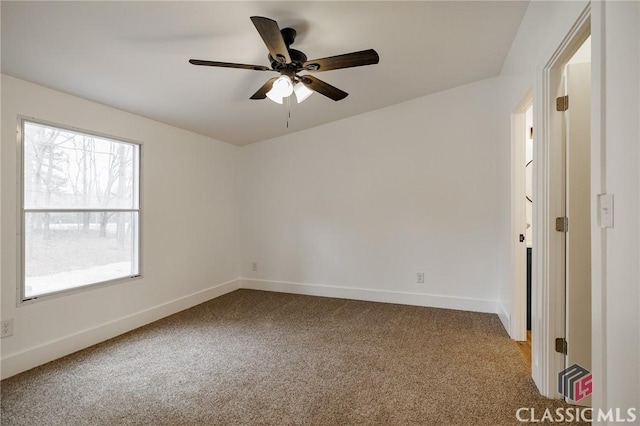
(561, 296)
(522, 222)
(577, 284)
(528, 209)
(522, 169)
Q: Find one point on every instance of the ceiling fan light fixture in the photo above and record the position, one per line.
(282, 87)
(274, 97)
(302, 92)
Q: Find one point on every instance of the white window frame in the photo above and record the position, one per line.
(21, 258)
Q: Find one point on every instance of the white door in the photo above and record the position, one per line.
(578, 211)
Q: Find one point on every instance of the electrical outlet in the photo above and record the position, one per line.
(7, 328)
(254, 266)
(420, 277)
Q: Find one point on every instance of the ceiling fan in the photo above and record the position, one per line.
(289, 62)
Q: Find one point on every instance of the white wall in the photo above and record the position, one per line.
(189, 225)
(355, 208)
(622, 179)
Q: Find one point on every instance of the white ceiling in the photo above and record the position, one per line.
(133, 55)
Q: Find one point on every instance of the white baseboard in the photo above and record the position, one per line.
(373, 295)
(33, 357)
(504, 316)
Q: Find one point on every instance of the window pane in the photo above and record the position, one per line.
(68, 250)
(65, 169)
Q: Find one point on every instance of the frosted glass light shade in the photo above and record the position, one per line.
(302, 92)
(274, 97)
(282, 87)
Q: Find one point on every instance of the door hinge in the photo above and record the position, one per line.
(521, 238)
(562, 103)
(561, 345)
(562, 224)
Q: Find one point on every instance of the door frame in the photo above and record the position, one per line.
(548, 269)
(518, 323)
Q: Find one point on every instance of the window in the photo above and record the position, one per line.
(80, 209)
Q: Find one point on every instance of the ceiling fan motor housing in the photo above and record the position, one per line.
(297, 57)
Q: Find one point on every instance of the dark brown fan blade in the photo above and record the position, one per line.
(262, 92)
(323, 88)
(229, 65)
(348, 60)
(270, 33)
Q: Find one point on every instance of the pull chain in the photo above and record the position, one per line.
(288, 110)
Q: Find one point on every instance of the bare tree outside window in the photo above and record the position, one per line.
(80, 209)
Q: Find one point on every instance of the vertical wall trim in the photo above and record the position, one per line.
(517, 326)
(598, 186)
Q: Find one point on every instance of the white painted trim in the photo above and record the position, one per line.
(539, 282)
(21, 298)
(24, 360)
(374, 295)
(504, 316)
(16, 363)
(548, 264)
(598, 186)
(518, 325)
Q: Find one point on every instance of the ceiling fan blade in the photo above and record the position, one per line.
(348, 60)
(262, 92)
(270, 33)
(323, 88)
(229, 65)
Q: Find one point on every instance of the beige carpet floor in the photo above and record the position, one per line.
(253, 357)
